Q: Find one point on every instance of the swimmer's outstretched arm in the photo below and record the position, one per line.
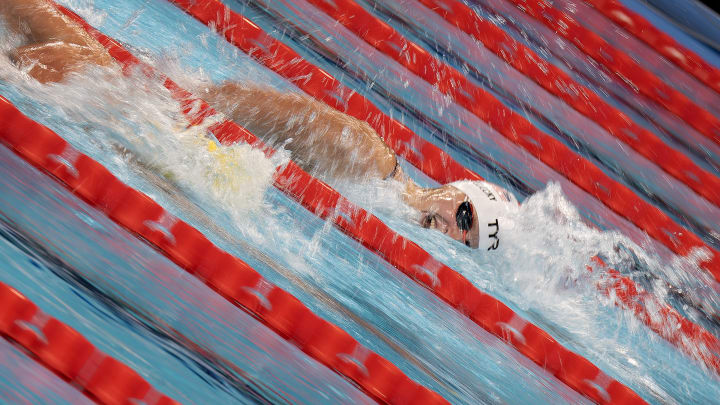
(320, 139)
(55, 46)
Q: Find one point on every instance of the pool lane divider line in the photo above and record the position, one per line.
(623, 66)
(549, 77)
(489, 313)
(272, 53)
(70, 355)
(661, 42)
(228, 275)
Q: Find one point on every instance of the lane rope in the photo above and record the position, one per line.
(623, 66)
(661, 42)
(660, 317)
(71, 356)
(275, 55)
(188, 247)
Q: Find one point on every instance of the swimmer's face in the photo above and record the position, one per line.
(439, 210)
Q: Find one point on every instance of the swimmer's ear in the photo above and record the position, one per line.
(426, 219)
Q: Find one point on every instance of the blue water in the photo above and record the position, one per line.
(191, 344)
(25, 380)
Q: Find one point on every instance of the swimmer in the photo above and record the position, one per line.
(323, 141)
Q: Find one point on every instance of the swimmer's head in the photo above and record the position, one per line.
(470, 212)
(448, 210)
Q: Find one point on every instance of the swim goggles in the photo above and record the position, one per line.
(464, 218)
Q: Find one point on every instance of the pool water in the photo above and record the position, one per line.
(193, 345)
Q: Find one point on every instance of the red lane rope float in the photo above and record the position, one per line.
(663, 43)
(484, 105)
(71, 356)
(561, 85)
(386, 39)
(491, 314)
(623, 66)
(278, 57)
(661, 318)
(224, 273)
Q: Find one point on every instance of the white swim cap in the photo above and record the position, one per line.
(493, 206)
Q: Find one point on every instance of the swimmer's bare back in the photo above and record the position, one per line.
(54, 46)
